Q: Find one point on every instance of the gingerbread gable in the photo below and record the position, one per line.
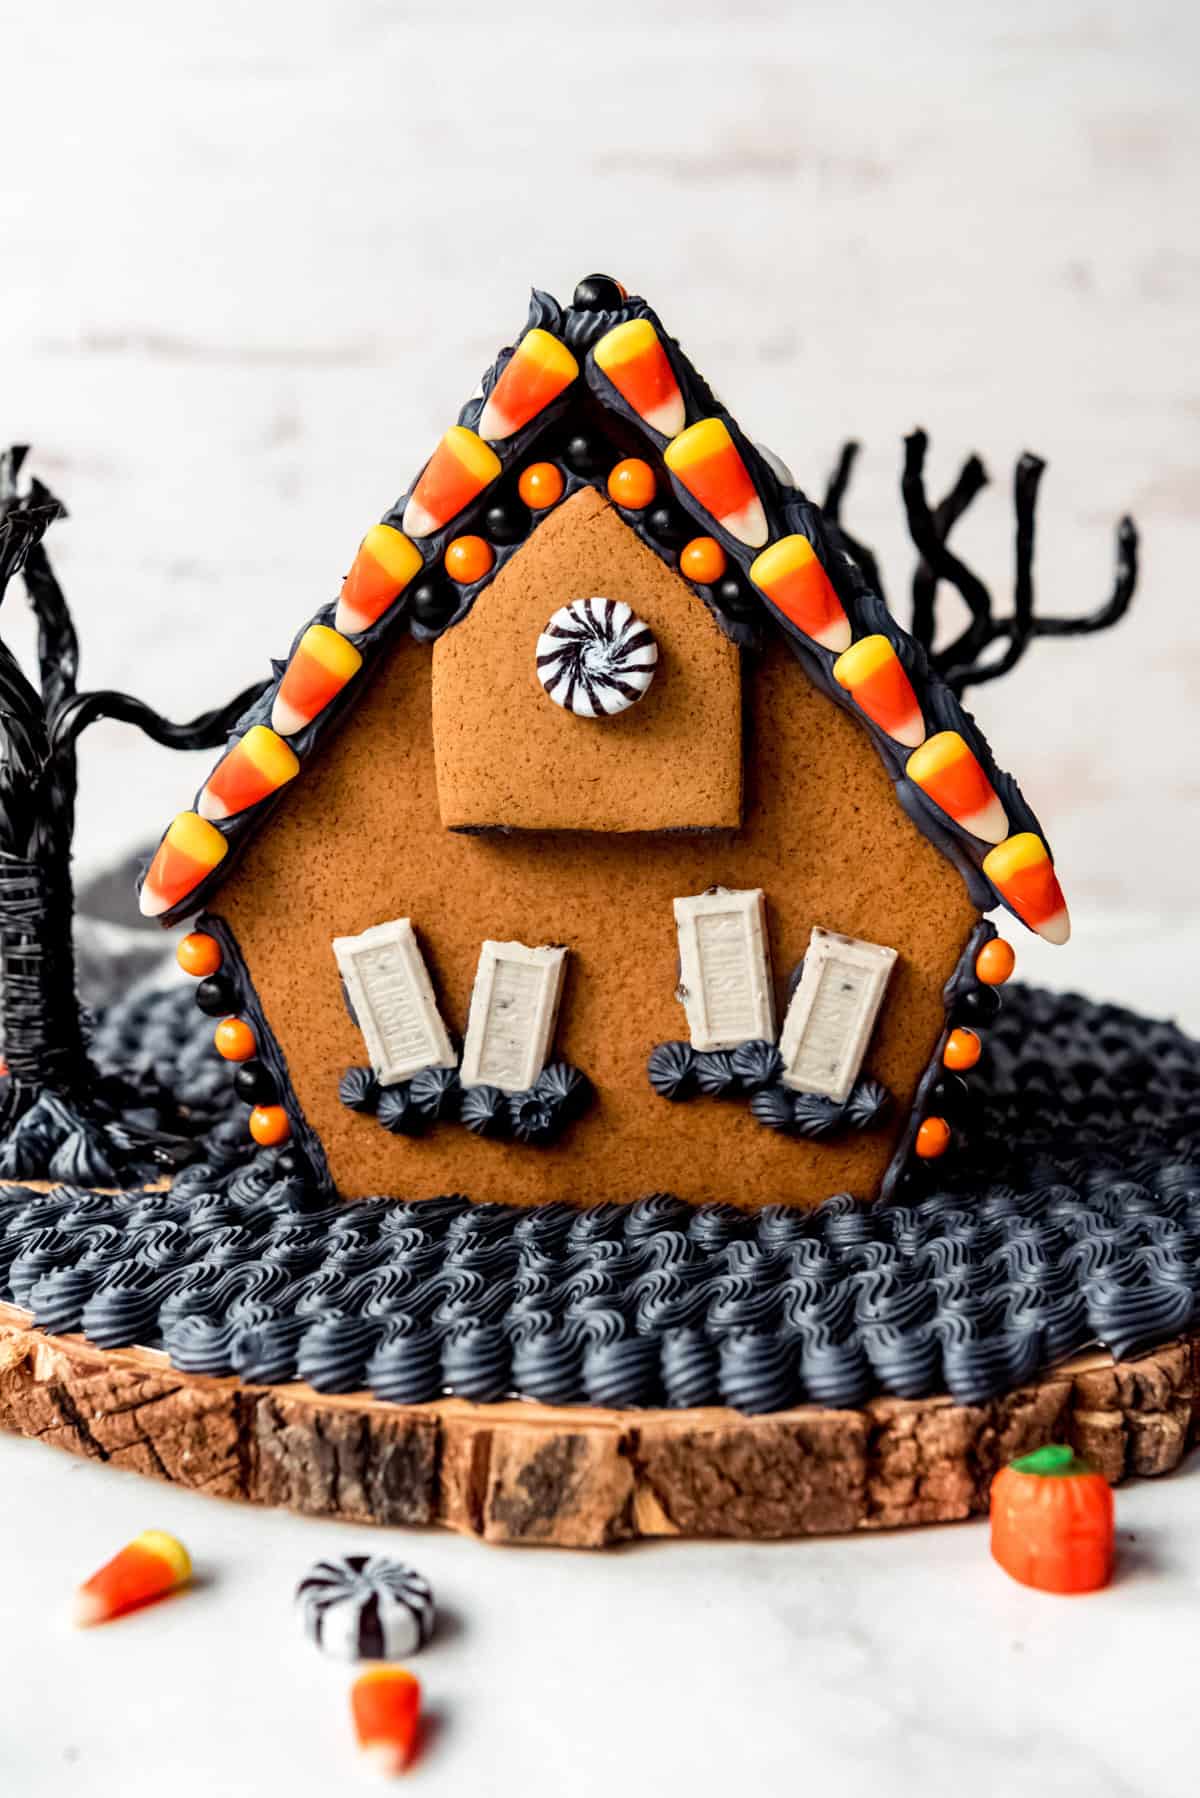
(586, 384)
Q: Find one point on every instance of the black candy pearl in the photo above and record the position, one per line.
(733, 598)
(585, 456)
(506, 523)
(431, 604)
(667, 527)
(252, 1083)
(978, 1005)
(950, 1098)
(597, 293)
(216, 997)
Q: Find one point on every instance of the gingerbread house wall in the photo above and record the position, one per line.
(360, 840)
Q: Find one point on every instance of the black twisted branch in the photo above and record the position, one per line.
(208, 730)
(972, 478)
(835, 493)
(960, 663)
(39, 729)
(58, 642)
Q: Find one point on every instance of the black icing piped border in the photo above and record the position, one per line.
(304, 1140)
(904, 1165)
(1077, 1224)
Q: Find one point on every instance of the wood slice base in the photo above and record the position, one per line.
(585, 1478)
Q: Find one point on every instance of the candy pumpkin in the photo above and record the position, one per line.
(1052, 1522)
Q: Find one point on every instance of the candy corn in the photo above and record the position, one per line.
(187, 855)
(1022, 873)
(946, 770)
(150, 1566)
(704, 459)
(636, 363)
(796, 585)
(386, 562)
(317, 672)
(537, 372)
(870, 671)
(386, 1706)
(258, 764)
(459, 469)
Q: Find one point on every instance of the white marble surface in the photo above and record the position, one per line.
(894, 1666)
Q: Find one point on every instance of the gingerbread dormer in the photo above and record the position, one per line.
(620, 841)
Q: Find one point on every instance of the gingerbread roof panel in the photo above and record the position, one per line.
(598, 395)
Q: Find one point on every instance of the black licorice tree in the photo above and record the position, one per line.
(972, 658)
(56, 1118)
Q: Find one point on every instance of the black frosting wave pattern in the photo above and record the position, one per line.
(1083, 1227)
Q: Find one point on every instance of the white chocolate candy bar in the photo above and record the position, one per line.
(514, 1007)
(724, 968)
(389, 987)
(832, 1013)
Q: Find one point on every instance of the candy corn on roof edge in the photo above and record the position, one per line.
(613, 367)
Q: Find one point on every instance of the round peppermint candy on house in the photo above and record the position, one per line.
(366, 1608)
(596, 657)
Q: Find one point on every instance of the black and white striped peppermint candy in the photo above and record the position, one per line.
(366, 1608)
(596, 657)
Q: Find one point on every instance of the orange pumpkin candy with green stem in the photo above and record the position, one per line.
(1052, 1522)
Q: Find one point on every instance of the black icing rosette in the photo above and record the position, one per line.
(672, 1071)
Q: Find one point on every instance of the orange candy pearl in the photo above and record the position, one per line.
(234, 1039)
(269, 1125)
(469, 559)
(632, 484)
(933, 1139)
(541, 486)
(962, 1051)
(199, 955)
(995, 962)
(702, 560)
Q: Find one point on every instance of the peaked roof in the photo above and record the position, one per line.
(586, 385)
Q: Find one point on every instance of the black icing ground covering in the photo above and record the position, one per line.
(1077, 1223)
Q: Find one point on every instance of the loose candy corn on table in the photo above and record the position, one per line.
(906, 1664)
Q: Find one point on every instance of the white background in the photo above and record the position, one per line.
(252, 258)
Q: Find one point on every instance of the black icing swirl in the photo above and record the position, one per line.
(970, 1286)
(689, 1369)
(759, 1372)
(477, 1362)
(547, 1365)
(622, 1372)
(406, 1366)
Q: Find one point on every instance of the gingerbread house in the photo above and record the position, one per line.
(606, 835)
